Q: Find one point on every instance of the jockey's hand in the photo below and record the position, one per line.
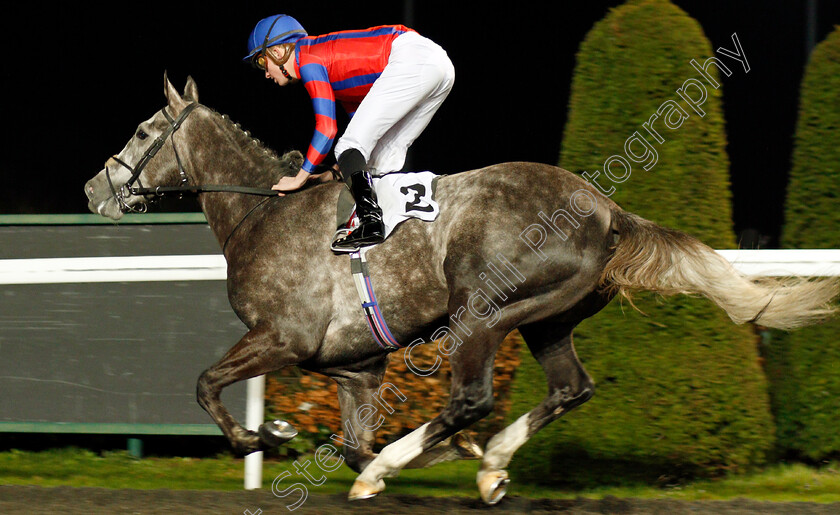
(289, 183)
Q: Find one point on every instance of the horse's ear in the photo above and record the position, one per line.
(173, 98)
(191, 90)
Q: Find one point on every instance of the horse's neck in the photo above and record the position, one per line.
(217, 158)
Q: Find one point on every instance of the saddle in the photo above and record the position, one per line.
(401, 196)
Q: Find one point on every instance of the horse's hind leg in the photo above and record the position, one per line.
(260, 351)
(568, 386)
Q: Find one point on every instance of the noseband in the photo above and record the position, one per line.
(128, 189)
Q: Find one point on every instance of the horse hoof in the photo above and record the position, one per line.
(275, 433)
(493, 486)
(364, 490)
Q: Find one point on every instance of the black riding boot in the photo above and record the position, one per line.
(371, 230)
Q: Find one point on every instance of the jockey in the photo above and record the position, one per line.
(389, 79)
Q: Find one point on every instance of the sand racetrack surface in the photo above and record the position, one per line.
(61, 500)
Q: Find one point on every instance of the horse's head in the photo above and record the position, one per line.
(149, 159)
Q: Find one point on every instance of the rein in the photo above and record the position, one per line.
(128, 189)
(161, 191)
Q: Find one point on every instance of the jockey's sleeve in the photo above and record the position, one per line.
(317, 83)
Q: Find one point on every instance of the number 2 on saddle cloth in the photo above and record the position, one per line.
(401, 196)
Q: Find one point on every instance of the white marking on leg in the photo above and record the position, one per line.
(395, 456)
(501, 447)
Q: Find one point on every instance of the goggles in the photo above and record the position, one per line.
(259, 61)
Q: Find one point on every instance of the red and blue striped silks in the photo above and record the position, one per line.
(340, 66)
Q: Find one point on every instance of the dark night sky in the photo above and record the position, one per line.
(78, 80)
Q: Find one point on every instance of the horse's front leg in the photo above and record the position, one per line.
(471, 399)
(260, 351)
(356, 390)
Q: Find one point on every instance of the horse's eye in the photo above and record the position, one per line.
(141, 134)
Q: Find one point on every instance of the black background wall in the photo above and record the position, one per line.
(77, 80)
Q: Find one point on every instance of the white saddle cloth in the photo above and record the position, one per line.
(401, 195)
(405, 195)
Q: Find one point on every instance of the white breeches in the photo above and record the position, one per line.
(400, 103)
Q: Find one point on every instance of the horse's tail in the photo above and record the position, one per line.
(666, 261)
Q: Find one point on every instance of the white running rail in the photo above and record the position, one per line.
(211, 267)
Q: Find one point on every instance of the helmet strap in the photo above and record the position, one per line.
(268, 33)
(289, 49)
(285, 73)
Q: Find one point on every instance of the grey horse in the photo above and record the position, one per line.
(516, 246)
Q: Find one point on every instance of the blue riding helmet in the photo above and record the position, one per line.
(274, 30)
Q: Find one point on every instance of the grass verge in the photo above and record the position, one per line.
(78, 467)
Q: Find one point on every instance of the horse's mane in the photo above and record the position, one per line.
(268, 162)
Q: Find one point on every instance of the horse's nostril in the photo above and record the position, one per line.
(89, 190)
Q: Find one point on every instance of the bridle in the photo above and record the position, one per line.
(128, 189)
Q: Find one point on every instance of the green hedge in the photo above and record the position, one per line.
(804, 366)
(680, 391)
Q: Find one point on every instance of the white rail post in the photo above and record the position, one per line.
(254, 415)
